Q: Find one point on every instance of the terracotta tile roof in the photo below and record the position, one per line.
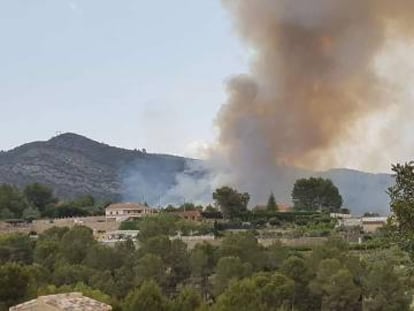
(284, 207)
(64, 302)
(281, 207)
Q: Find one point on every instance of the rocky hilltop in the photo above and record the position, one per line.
(75, 165)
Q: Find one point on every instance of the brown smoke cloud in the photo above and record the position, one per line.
(312, 79)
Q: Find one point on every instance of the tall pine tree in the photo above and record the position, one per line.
(271, 203)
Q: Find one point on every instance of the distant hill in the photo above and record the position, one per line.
(362, 192)
(74, 165)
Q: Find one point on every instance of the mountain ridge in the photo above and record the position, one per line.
(74, 165)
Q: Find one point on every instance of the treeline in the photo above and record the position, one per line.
(308, 195)
(37, 201)
(239, 274)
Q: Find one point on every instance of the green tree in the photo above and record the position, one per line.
(271, 203)
(203, 261)
(101, 257)
(103, 281)
(12, 202)
(14, 284)
(124, 280)
(384, 290)
(296, 269)
(316, 194)
(31, 213)
(83, 201)
(211, 209)
(179, 263)
(157, 245)
(39, 196)
(148, 297)
(163, 224)
(187, 300)
(46, 253)
(16, 248)
(230, 201)
(66, 274)
(47, 249)
(150, 267)
(229, 269)
(187, 207)
(275, 255)
(334, 248)
(335, 286)
(262, 292)
(174, 255)
(244, 246)
(75, 244)
(402, 205)
(54, 233)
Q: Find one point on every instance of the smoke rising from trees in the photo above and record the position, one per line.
(312, 81)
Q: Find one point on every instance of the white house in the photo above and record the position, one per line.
(126, 211)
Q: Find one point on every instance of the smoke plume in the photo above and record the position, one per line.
(312, 80)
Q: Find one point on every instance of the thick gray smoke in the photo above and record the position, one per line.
(312, 80)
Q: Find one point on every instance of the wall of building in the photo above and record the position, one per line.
(372, 227)
(96, 223)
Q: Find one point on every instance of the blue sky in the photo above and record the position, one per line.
(131, 73)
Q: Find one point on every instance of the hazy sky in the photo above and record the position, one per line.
(150, 74)
(132, 73)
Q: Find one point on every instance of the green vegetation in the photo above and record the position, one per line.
(316, 194)
(36, 201)
(271, 203)
(167, 224)
(159, 271)
(402, 205)
(12, 202)
(231, 202)
(240, 274)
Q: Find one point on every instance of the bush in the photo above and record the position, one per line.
(275, 222)
(129, 225)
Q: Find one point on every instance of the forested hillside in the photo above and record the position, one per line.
(75, 166)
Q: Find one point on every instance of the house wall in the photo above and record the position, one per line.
(119, 214)
(96, 223)
(372, 227)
